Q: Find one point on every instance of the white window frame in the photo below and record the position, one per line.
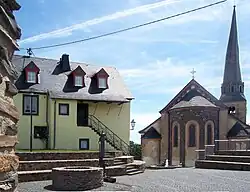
(61, 108)
(102, 82)
(31, 77)
(78, 81)
(27, 105)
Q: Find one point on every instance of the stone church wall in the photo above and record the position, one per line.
(240, 109)
(164, 137)
(151, 151)
(223, 124)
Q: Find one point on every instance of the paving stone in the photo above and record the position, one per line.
(181, 179)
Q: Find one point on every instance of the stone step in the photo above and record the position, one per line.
(49, 164)
(132, 170)
(119, 163)
(209, 164)
(230, 158)
(233, 152)
(135, 173)
(125, 159)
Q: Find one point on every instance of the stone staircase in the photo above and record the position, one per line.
(229, 160)
(37, 166)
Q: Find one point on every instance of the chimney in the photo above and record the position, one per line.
(64, 63)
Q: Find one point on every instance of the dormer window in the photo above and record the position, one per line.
(78, 77)
(31, 77)
(78, 81)
(102, 79)
(31, 73)
(102, 82)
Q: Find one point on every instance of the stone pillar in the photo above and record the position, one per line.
(9, 32)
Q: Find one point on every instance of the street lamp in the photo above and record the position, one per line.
(132, 124)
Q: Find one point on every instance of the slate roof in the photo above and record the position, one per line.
(151, 134)
(149, 126)
(232, 72)
(237, 130)
(184, 95)
(56, 85)
(196, 101)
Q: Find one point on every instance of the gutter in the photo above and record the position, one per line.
(54, 135)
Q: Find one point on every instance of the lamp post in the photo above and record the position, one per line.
(132, 123)
(31, 119)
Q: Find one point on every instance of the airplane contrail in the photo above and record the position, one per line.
(125, 13)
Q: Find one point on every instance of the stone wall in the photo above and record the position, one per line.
(49, 164)
(9, 32)
(36, 156)
(77, 178)
(151, 151)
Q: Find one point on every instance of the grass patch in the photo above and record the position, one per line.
(55, 151)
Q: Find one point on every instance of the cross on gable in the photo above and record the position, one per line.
(193, 72)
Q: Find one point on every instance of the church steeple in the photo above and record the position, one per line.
(232, 89)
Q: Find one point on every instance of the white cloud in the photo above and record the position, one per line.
(169, 76)
(118, 15)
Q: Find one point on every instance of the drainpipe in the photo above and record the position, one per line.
(47, 120)
(54, 140)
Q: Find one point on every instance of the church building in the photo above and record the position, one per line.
(195, 118)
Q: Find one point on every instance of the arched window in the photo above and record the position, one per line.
(175, 136)
(232, 89)
(209, 135)
(241, 89)
(192, 136)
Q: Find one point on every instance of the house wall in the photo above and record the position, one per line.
(25, 123)
(115, 117)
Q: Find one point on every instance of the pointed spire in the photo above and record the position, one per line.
(232, 87)
(232, 71)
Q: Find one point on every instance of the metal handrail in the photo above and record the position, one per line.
(114, 136)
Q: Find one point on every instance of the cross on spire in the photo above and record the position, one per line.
(193, 72)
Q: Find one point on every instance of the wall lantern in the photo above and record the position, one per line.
(132, 124)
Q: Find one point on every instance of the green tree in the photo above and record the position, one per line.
(135, 150)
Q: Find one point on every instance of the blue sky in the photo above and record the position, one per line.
(155, 60)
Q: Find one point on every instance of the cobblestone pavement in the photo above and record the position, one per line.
(168, 180)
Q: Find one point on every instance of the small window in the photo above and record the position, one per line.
(31, 77)
(27, 104)
(102, 82)
(241, 89)
(192, 136)
(78, 81)
(41, 132)
(63, 109)
(84, 144)
(176, 136)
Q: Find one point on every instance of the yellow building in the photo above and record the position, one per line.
(72, 104)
